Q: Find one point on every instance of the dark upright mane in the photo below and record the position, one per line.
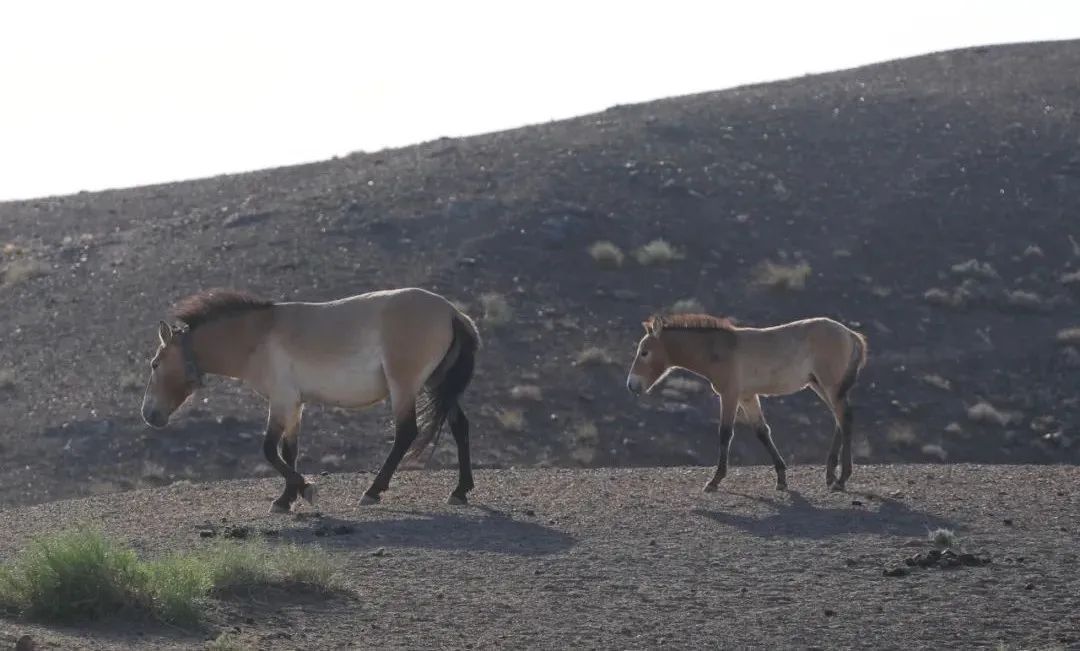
(212, 304)
(692, 322)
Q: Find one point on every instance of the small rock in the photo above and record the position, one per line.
(530, 512)
(829, 612)
(381, 551)
(896, 571)
(1029, 586)
(1007, 522)
(25, 643)
(856, 503)
(207, 533)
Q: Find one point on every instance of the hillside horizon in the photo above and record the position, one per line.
(930, 202)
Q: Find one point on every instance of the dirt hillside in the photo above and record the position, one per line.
(628, 559)
(931, 202)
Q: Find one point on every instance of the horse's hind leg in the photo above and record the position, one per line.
(459, 426)
(405, 432)
(843, 408)
(752, 408)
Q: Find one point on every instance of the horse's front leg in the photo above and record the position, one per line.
(728, 409)
(281, 447)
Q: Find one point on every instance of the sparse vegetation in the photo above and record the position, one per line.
(527, 392)
(227, 642)
(1024, 300)
(776, 276)
(944, 538)
(975, 269)
(606, 254)
(586, 438)
(20, 270)
(935, 450)
(956, 298)
(593, 355)
(984, 412)
(657, 252)
(937, 381)
(497, 310)
(901, 434)
(83, 575)
(512, 420)
(687, 306)
(1071, 280)
(1066, 337)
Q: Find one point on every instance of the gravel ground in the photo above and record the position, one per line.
(625, 558)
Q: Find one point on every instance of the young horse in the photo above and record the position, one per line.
(409, 344)
(745, 363)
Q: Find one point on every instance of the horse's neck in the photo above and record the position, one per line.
(226, 347)
(691, 350)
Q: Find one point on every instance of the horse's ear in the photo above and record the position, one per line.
(164, 333)
(653, 327)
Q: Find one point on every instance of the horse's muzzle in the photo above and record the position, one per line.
(633, 384)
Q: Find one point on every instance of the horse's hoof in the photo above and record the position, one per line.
(837, 487)
(367, 500)
(455, 500)
(309, 493)
(710, 488)
(276, 507)
(781, 486)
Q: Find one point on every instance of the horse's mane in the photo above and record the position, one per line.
(212, 304)
(691, 322)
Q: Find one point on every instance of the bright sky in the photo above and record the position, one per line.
(111, 93)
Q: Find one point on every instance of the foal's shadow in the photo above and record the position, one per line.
(494, 531)
(796, 517)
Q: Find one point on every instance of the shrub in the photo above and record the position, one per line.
(606, 254)
(772, 275)
(657, 252)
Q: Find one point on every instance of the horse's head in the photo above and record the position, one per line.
(173, 376)
(651, 360)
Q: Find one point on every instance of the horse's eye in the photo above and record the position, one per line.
(644, 354)
(154, 365)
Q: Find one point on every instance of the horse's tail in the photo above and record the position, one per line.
(447, 382)
(858, 360)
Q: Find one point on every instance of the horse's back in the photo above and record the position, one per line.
(343, 351)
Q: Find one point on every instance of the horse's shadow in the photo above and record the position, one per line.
(494, 532)
(796, 517)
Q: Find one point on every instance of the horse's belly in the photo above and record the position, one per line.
(776, 381)
(357, 383)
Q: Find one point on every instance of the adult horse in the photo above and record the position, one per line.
(409, 344)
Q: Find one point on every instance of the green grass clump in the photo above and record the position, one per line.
(82, 575)
(943, 538)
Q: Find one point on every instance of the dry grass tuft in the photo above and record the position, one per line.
(657, 252)
(1024, 300)
(512, 420)
(935, 450)
(901, 434)
(1071, 280)
(772, 275)
(944, 538)
(683, 384)
(687, 306)
(593, 356)
(956, 298)
(527, 392)
(21, 270)
(937, 381)
(1069, 337)
(497, 310)
(606, 254)
(975, 269)
(586, 440)
(984, 412)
